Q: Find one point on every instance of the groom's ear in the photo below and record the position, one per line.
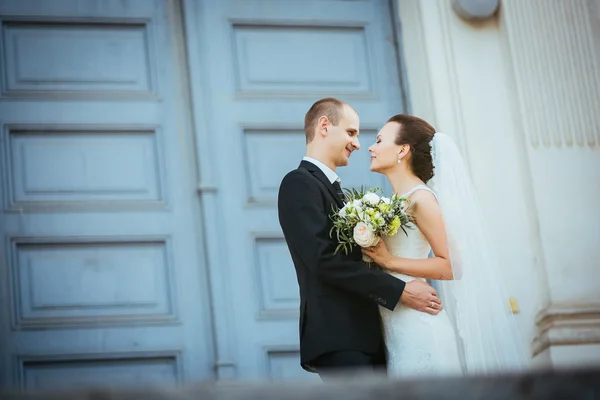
(322, 125)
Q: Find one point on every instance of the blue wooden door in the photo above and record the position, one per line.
(102, 279)
(256, 67)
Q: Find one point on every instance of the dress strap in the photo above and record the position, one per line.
(419, 187)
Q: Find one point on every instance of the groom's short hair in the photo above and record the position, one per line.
(327, 107)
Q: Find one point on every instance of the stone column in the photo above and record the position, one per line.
(554, 48)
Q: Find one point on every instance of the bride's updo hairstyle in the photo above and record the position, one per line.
(416, 133)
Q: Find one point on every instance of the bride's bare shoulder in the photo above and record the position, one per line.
(423, 201)
(422, 195)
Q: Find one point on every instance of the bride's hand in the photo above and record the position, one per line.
(379, 253)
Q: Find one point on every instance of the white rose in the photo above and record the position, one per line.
(358, 205)
(364, 236)
(371, 198)
(386, 200)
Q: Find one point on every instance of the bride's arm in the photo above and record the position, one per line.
(428, 217)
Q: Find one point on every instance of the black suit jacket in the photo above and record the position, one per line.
(339, 294)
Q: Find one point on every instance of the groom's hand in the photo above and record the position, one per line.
(421, 297)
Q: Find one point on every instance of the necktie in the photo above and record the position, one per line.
(338, 189)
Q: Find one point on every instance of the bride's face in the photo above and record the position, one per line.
(384, 152)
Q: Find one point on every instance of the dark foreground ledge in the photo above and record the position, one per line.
(574, 384)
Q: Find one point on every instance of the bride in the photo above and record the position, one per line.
(476, 333)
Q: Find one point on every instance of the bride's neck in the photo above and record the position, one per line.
(402, 180)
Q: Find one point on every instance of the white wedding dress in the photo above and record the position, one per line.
(418, 344)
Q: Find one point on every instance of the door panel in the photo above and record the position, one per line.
(101, 268)
(258, 66)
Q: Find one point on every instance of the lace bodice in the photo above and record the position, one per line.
(413, 244)
(417, 344)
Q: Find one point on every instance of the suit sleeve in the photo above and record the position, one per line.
(306, 227)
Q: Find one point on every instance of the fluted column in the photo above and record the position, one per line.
(554, 50)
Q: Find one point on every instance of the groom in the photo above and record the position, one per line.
(340, 328)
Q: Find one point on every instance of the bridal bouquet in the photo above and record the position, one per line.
(366, 217)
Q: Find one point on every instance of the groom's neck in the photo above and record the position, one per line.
(318, 155)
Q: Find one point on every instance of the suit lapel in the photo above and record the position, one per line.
(317, 173)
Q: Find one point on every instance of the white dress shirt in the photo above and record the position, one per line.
(329, 173)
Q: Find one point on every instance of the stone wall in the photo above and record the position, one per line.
(566, 384)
